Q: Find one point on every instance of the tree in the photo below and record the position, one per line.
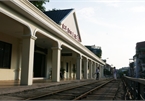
(39, 4)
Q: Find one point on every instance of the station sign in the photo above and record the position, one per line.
(70, 32)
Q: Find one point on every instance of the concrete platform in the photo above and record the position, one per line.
(12, 86)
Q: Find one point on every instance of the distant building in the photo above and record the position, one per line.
(124, 69)
(139, 59)
(96, 50)
(108, 67)
(131, 69)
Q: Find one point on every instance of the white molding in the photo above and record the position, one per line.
(30, 36)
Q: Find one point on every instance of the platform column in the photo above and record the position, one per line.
(28, 43)
(56, 63)
(79, 67)
(86, 69)
(94, 70)
(90, 69)
(103, 71)
(101, 68)
(20, 61)
(100, 71)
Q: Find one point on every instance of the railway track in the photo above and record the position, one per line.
(73, 91)
(107, 92)
(70, 93)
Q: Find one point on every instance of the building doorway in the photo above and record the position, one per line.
(39, 65)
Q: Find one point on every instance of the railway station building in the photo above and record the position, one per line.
(33, 45)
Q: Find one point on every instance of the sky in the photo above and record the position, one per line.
(114, 25)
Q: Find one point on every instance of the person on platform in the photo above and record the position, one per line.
(97, 73)
(114, 73)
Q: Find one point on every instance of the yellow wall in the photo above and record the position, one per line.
(10, 74)
(70, 61)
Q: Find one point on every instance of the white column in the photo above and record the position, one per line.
(27, 60)
(56, 54)
(101, 71)
(86, 69)
(79, 67)
(71, 67)
(95, 67)
(19, 61)
(94, 71)
(49, 63)
(90, 69)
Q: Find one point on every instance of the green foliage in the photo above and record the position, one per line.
(39, 4)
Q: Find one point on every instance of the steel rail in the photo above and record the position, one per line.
(85, 94)
(58, 91)
(117, 90)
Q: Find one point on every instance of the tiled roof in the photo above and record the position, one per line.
(58, 15)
